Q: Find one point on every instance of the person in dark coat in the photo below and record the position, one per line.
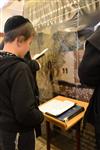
(19, 111)
(89, 74)
(34, 66)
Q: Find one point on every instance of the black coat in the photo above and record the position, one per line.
(18, 104)
(89, 74)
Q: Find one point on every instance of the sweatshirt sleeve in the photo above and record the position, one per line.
(23, 99)
(89, 68)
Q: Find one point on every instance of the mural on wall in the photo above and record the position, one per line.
(63, 28)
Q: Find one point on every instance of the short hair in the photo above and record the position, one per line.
(17, 26)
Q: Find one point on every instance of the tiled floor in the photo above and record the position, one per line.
(41, 144)
(58, 142)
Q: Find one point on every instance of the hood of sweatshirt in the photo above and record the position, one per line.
(7, 60)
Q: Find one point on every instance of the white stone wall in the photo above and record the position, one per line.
(13, 7)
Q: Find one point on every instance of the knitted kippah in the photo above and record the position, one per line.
(14, 22)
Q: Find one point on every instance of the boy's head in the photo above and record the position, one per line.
(19, 30)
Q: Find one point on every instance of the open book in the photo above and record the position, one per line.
(56, 107)
(37, 56)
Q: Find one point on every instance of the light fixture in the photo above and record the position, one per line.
(3, 3)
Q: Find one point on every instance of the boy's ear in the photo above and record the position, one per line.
(20, 40)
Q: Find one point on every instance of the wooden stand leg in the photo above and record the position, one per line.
(48, 131)
(78, 135)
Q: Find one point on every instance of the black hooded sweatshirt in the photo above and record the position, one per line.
(18, 108)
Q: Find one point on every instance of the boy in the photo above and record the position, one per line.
(18, 107)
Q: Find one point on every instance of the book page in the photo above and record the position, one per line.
(56, 107)
(37, 56)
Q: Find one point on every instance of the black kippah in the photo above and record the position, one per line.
(14, 22)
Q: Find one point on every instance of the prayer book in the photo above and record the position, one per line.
(69, 114)
(37, 56)
(56, 107)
